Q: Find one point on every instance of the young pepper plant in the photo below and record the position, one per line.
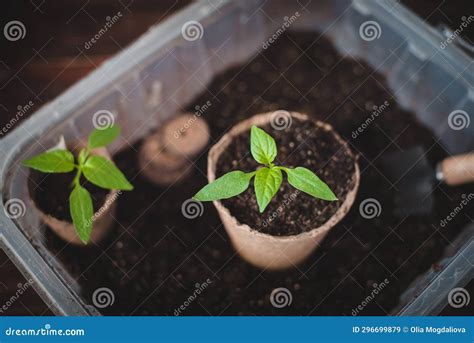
(268, 177)
(96, 169)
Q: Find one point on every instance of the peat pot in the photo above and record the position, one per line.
(277, 252)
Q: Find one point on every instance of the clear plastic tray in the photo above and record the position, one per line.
(131, 84)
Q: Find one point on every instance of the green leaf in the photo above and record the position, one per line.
(82, 212)
(103, 173)
(266, 184)
(305, 180)
(227, 186)
(262, 146)
(81, 158)
(55, 161)
(102, 137)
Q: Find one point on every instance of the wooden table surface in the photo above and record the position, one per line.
(52, 56)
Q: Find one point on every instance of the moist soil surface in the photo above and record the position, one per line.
(51, 192)
(302, 144)
(158, 261)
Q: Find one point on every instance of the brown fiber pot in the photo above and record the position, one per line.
(264, 250)
(103, 218)
(166, 156)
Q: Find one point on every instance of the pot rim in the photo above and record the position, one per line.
(261, 119)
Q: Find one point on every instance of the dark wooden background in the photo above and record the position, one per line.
(52, 57)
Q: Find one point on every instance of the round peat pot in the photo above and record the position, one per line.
(186, 135)
(158, 165)
(102, 219)
(269, 251)
(165, 157)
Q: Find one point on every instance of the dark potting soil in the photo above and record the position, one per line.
(302, 144)
(51, 192)
(158, 261)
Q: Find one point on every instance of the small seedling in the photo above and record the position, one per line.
(268, 178)
(96, 169)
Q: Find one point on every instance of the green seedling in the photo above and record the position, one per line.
(268, 177)
(96, 169)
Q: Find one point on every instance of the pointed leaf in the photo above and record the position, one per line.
(262, 146)
(305, 180)
(102, 137)
(55, 161)
(103, 173)
(227, 186)
(266, 184)
(82, 212)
